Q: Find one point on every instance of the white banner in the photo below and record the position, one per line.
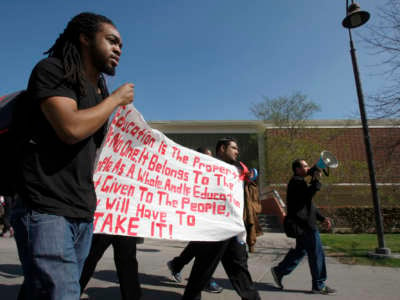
(149, 186)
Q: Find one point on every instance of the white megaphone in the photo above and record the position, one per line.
(327, 160)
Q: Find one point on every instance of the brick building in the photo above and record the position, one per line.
(346, 185)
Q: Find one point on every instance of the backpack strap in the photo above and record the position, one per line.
(7, 106)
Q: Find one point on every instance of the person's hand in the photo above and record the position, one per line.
(327, 223)
(125, 93)
(317, 174)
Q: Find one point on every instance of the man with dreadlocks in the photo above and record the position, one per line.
(69, 107)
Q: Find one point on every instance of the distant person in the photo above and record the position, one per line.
(7, 202)
(69, 110)
(252, 207)
(177, 263)
(302, 210)
(204, 150)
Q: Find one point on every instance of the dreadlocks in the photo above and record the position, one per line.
(67, 46)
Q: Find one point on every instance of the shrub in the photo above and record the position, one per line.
(362, 219)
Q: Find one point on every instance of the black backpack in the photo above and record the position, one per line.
(12, 137)
(16, 130)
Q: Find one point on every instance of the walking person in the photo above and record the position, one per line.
(303, 212)
(252, 207)
(176, 265)
(68, 110)
(124, 259)
(231, 252)
(7, 202)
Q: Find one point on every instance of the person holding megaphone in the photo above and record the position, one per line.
(302, 215)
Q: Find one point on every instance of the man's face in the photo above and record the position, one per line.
(208, 152)
(230, 153)
(303, 170)
(105, 49)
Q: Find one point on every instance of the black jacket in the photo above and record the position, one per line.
(299, 202)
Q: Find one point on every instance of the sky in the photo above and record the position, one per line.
(208, 59)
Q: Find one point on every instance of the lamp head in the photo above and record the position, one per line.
(355, 16)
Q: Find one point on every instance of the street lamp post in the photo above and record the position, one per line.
(355, 18)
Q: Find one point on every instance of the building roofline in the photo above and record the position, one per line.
(209, 126)
(257, 126)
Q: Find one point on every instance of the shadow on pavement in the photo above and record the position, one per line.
(270, 251)
(177, 246)
(144, 279)
(114, 293)
(147, 250)
(272, 288)
(225, 283)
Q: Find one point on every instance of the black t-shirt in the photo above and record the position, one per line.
(57, 178)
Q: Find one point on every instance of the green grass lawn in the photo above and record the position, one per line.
(353, 248)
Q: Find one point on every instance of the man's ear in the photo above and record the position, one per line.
(84, 39)
(295, 171)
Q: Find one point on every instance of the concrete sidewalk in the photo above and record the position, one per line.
(352, 282)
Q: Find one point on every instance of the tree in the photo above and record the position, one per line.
(286, 112)
(288, 139)
(384, 38)
(289, 116)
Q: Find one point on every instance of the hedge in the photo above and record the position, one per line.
(362, 219)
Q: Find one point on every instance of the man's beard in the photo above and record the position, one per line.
(101, 62)
(106, 69)
(109, 70)
(230, 160)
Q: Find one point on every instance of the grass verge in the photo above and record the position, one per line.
(354, 248)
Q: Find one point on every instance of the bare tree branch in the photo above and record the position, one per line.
(384, 38)
(286, 112)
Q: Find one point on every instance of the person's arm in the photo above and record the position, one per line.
(318, 215)
(297, 199)
(315, 184)
(327, 222)
(73, 125)
(324, 220)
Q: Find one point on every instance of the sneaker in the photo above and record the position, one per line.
(176, 275)
(213, 287)
(326, 290)
(277, 278)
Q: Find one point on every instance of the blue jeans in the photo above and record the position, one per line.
(309, 243)
(52, 250)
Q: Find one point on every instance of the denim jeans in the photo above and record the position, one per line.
(52, 250)
(309, 243)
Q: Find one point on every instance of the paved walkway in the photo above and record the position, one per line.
(352, 282)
